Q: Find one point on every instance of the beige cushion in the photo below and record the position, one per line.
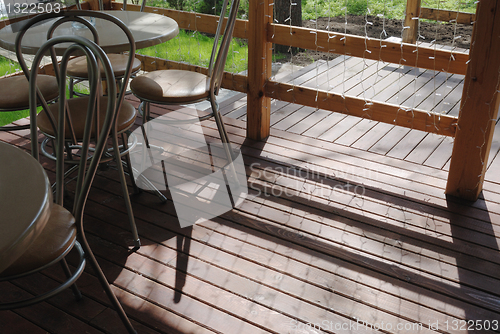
(78, 111)
(77, 67)
(57, 236)
(170, 86)
(14, 91)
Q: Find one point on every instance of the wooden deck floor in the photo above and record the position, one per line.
(346, 223)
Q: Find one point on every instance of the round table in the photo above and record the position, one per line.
(148, 29)
(25, 202)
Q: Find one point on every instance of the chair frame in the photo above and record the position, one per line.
(87, 168)
(215, 74)
(117, 150)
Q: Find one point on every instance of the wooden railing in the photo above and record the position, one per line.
(472, 129)
(261, 88)
(473, 133)
(414, 11)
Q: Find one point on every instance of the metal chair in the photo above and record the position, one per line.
(125, 113)
(77, 67)
(65, 231)
(186, 87)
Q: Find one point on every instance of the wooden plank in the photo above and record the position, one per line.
(295, 73)
(44, 315)
(371, 73)
(407, 87)
(441, 155)
(444, 97)
(356, 132)
(347, 82)
(387, 113)
(239, 251)
(310, 121)
(372, 136)
(391, 52)
(324, 125)
(411, 21)
(407, 144)
(399, 177)
(295, 118)
(425, 148)
(419, 91)
(447, 15)
(260, 56)
(281, 110)
(317, 68)
(479, 106)
(339, 129)
(336, 75)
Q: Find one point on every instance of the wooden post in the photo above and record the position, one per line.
(410, 34)
(259, 68)
(479, 106)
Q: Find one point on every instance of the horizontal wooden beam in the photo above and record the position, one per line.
(382, 112)
(391, 52)
(191, 21)
(447, 15)
(236, 82)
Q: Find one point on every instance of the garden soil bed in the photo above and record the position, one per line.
(458, 35)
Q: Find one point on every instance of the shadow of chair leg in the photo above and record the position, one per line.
(183, 245)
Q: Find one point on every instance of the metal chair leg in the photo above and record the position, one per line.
(126, 197)
(104, 283)
(128, 162)
(67, 272)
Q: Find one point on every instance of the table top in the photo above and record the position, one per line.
(148, 29)
(25, 202)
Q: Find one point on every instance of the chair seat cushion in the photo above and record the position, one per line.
(171, 86)
(77, 67)
(58, 235)
(14, 94)
(78, 112)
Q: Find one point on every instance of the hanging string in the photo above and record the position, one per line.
(365, 64)
(345, 49)
(383, 35)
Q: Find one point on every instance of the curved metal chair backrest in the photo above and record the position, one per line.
(218, 59)
(93, 52)
(95, 143)
(61, 18)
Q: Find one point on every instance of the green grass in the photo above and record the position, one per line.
(8, 66)
(195, 48)
(391, 9)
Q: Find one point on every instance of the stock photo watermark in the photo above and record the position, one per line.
(204, 179)
(360, 325)
(301, 180)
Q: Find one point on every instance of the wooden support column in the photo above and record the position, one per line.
(410, 34)
(479, 106)
(259, 68)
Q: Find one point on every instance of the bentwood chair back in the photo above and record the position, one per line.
(124, 117)
(65, 227)
(77, 108)
(77, 69)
